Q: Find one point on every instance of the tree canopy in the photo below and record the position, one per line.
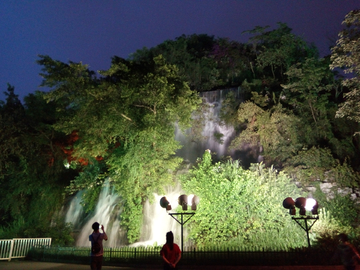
(124, 119)
(32, 175)
(346, 55)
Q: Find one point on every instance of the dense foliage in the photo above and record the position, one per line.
(346, 55)
(204, 62)
(32, 175)
(125, 126)
(241, 207)
(119, 124)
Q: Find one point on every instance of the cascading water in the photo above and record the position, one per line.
(211, 127)
(156, 221)
(106, 212)
(75, 211)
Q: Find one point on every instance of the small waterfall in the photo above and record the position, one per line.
(107, 212)
(156, 221)
(76, 211)
(215, 135)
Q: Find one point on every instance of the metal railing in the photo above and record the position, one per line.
(151, 255)
(19, 247)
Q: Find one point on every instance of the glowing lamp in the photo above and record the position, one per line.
(314, 211)
(183, 201)
(289, 203)
(193, 200)
(164, 203)
(312, 205)
(300, 203)
(181, 217)
(304, 204)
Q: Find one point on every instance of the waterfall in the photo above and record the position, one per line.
(107, 212)
(156, 221)
(211, 127)
(75, 211)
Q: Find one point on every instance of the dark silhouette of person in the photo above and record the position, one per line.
(170, 252)
(346, 252)
(97, 253)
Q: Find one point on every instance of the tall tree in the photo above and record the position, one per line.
(308, 92)
(32, 176)
(276, 50)
(291, 110)
(125, 118)
(346, 55)
(204, 62)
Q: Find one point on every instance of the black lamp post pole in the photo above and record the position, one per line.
(182, 222)
(306, 228)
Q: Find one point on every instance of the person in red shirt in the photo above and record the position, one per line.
(170, 252)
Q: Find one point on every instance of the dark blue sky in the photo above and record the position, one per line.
(92, 31)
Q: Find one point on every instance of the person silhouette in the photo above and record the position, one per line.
(170, 252)
(346, 252)
(97, 249)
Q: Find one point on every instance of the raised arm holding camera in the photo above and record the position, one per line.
(97, 249)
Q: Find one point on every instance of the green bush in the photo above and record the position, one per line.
(241, 207)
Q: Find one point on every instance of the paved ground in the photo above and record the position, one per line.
(29, 265)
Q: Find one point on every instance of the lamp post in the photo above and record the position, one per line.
(184, 201)
(310, 205)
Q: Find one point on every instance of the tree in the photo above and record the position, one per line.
(204, 62)
(13, 127)
(32, 175)
(190, 54)
(232, 62)
(124, 120)
(275, 131)
(311, 95)
(288, 123)
(308, 92)
(277, 50)
(346, 55)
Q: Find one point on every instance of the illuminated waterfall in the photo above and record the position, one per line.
(106, 212)
(193, 149)
(156, 221)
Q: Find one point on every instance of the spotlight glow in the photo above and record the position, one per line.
(310, 203)
(190, 198)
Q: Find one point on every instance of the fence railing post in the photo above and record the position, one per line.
(19, 247)
(11, 249)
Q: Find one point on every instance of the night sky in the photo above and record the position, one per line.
(94, 31)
